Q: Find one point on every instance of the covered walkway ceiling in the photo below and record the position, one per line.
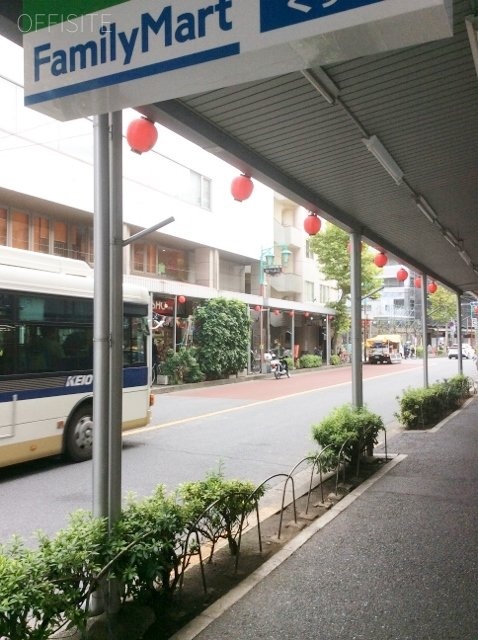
(421, 102)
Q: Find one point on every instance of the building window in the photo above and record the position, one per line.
(45, 235)
(166, 263)
(80, 243)
(183, 183)
(309, 291)
(41, 235)
(20, 226)
(60, 239)
(200, 190)
(3, 226)
(308, 252)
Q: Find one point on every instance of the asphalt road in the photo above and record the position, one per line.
(253, 429)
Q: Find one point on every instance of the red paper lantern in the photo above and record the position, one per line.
(291, 313)
(418, 282)
(241, 187)
(402, 275)
(258, 308)
(380, 260)
(306, 314)
(141, 135)
(312, 224)
(181, 299)
(276, 312)
(432, 287)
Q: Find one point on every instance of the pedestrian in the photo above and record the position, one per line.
(154, 361)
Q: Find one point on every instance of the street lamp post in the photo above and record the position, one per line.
(269, 266)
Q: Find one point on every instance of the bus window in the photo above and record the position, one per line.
(134, 340)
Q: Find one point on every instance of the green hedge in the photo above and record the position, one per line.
(421, 408)
(49, 587)
(309, 361)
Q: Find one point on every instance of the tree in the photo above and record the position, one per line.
(333, 255)
(221, 335)
(442, 308)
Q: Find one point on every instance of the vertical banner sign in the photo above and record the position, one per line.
(99, 56)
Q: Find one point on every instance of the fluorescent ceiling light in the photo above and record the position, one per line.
(425, 207)
(377, 149)
(471, 23)
(322, 84)
(465, 257)
(452, 239)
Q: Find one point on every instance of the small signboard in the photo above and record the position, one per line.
(99, 56)
(276, 14)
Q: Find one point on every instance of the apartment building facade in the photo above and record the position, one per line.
(214, 247)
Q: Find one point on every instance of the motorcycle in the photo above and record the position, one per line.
(279, 367)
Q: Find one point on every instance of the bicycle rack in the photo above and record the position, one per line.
(317, 463)
(259, 533)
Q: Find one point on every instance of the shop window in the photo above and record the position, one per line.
(20, 224)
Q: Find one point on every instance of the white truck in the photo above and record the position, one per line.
(384, 349)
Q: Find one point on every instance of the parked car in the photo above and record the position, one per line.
(467, 352)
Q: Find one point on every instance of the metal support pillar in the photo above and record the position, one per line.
(328, 340)
(175, 323)
(356, 300)
(292, 335)
(459, 336)
(424, 329)
(116, 314)
(101, 335)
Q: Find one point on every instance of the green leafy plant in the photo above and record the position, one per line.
(421, 408)
(182, 366)
(221, 334)
(290, 362)
(335, 359)
(309, 361)
(219, 506)
(147, 545)
(43, 589)
(346, 430)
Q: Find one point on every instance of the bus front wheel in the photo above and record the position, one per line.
(79, 435)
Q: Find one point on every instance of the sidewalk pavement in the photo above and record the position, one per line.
(394, 560)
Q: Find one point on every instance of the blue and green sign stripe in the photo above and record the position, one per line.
(41, 14)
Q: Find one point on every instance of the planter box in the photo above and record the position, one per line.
(162, 379)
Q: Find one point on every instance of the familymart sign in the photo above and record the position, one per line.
(110, 55)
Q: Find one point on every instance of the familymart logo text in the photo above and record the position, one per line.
(111, 44)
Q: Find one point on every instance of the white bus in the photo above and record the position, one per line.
(46, 357)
